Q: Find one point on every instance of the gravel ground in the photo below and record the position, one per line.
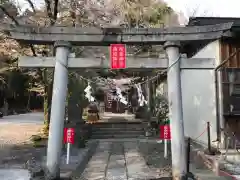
(153, 154)
(17, 156)
(15, 148)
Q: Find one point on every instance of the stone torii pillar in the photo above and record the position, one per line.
(60, 83)
(179, 167)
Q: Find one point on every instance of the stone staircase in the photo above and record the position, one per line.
(118, 129)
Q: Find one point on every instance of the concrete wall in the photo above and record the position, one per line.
(198, 93)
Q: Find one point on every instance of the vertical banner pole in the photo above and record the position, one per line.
(68, 153)
(165, 148)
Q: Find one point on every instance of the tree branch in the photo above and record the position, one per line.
(33, 50)
(54, 19)
(52, 14)
(31, 5)
(16, 22)
(49, 10)
(55, 10)
(11, 17)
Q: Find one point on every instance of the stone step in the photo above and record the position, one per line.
(118, 136)
(117, 132)
(117, 126)
(117, 129)
(118, 122)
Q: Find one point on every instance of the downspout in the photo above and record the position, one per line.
(217, 92)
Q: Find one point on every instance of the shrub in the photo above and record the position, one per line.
(160, 108)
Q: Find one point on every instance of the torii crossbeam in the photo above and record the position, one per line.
(131, 63)
(106, 36)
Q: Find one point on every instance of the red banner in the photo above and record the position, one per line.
(118, 56)
(68, 135)
(165, 132)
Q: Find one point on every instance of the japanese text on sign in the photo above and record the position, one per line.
(118, 56)
(165, 132)
(69, 135)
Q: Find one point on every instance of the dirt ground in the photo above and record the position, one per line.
(13, 134)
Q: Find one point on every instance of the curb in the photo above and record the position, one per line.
(225, 174)
(213, 163)
(229, 169)
(87, 156)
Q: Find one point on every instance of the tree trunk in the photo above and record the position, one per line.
(46, 114)
(5, 107)
(45, 109)
(29, 100)
(47, 106)
(49, 99)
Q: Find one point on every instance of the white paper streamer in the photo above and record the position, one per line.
(88, 92)
(120, 96)
(141, 99)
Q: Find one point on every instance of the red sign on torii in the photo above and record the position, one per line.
(118, 56)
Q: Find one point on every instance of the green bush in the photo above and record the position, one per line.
(160, 108)
(35, 138)
(81, 142)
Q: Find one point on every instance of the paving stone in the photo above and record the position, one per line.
(132, 154)
(99, 159)
(93, 175)
(118, 161)
(131, 145)
(14, 174)
(97, 166)
(116, 173)
(115, 157)
(117, 164)
(135, 162)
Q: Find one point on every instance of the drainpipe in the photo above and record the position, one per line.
(218, 123)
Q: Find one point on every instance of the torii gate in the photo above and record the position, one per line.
(64, 37)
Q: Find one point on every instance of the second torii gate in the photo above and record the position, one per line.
(64, 37)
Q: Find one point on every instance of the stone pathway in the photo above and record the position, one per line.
(116, 160)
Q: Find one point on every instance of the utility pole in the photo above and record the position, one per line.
(60, 83)
(179, 166)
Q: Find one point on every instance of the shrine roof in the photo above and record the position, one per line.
(203, 21)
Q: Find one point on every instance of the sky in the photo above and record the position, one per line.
(217, 8)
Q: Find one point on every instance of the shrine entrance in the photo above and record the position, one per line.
(174, 39)
(114, 106)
